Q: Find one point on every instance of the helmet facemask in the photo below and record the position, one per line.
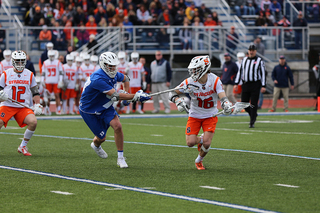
(199, 66)
(108, 62)
(19, 60)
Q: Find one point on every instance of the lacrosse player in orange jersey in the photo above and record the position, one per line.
(203, 105)
(19, 84)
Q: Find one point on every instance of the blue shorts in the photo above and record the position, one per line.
(99, 124)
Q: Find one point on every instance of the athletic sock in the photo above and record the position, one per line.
(199, 158)
(71, 103)
(27, 135)
(120, 154)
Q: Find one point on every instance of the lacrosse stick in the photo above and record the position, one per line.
(20, 103)
(187, 87)
(237, 107)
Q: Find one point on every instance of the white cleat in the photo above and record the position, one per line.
(121, 162)
(99, 151)
(140, 111)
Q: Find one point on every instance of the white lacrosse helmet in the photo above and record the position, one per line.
(86, 59)
(7, 54)
(199, 66)
(135, 57)
(241, 55)
(108, 62)
(94, 60)
(121, 55)
(74, 54)
(69, 59)
(79, 61)
(19, 60)
(51, 55)
(49, 46)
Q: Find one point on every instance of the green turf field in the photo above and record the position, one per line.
(243, 167)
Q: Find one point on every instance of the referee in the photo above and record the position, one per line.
(253, 74)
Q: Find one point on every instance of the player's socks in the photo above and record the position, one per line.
(64, 106)
(27, 135)
(71, 103)
(199, 158)
(120, 154)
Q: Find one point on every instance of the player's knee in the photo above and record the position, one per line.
(117, 127)
(1, 123)
(32, 124)
(190, 142)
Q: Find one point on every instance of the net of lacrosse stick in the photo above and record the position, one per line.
(186, 89)
(236, 108)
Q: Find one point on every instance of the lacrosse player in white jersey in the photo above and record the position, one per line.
(94, 60)
(6, 62)
(203, 105)
(52, 77)
(86, 69)
(1, 68)
(136, 73)
(122, 68)
(19, 84)
(68, 93)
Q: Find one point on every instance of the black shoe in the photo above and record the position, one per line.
(251, 126)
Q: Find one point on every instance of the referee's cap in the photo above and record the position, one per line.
(252, 47)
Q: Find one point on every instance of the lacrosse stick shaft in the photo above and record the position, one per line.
(19, 103)
(165, 91)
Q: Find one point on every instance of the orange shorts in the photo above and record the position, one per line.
(133, 90)
(69, 93)
(194, 125)
(53, 88)
(18, 113)
(238, 91)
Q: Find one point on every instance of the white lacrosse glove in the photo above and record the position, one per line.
(144, 86)
(37, 109)
(182, 105)
(122, 91)
(141, 96)
(3, 95)
(227, 107)
(77, 87)
(60, 84)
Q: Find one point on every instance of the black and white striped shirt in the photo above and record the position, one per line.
(252, 69)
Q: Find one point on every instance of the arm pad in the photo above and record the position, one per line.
(172, 96)
(35, 91)
(114, 97)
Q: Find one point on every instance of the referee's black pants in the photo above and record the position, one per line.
(250, 93)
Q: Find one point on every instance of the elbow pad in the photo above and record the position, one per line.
(173, 95)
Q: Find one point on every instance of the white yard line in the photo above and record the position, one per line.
(135, 189)
(62, 193)
(285, 185)
(212, 187)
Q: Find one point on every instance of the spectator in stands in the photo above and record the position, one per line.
(196, 15)
(119, 17)
(178, 20)
(265, 4)
(154, 9)
(240, 7)
(210, 22)
(45, 34)
(48, 19)
(261, 23)
(132, 17)
(2, 35)
(175, 8)
(198, 33)
(299, 22)
(130, 5)
(149, 34)
(275, 9)
(215, 17)
(163, 38)
(82, 35)
(251, 7)
(63, 21)
(47, 9)
(37, 16)
(285, 23)
(190, 11)
(58, 11)
(91, 25)
(113, 23)
(143, 14)
(259, 45)
(280, 75)
(92, 45)
(85, 6)
(102, 23)
(269, 18)
(182, 4)
(68, 31)
(70, 12)
(110, 11)
(79, 17)
(232, 39)
(121, 7)
(101, 13)
(185, 36)
(313, 10)
(58, 37)
(204, 11)
(165, 18)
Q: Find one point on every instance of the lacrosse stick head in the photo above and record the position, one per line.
(239, 106)
(199, 66)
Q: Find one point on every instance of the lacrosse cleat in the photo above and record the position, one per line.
(99, 151)
(200, 166)
(200, 144)
(140, 111)
(121, 162)
(24, 151)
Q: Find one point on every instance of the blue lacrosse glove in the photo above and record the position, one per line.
(141, 96)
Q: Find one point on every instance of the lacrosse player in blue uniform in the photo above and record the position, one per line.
(96, 104)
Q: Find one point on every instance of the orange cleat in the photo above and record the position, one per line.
(271, 110)
(286, 110)
(24, 151)
(200, 166)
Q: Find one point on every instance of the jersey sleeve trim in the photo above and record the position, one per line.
(215, 85)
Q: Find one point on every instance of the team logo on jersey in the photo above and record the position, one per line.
(19, 76)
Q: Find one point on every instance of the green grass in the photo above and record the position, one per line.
(248, 178)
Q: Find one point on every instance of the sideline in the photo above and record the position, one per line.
(135, 189)
(170, 145)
